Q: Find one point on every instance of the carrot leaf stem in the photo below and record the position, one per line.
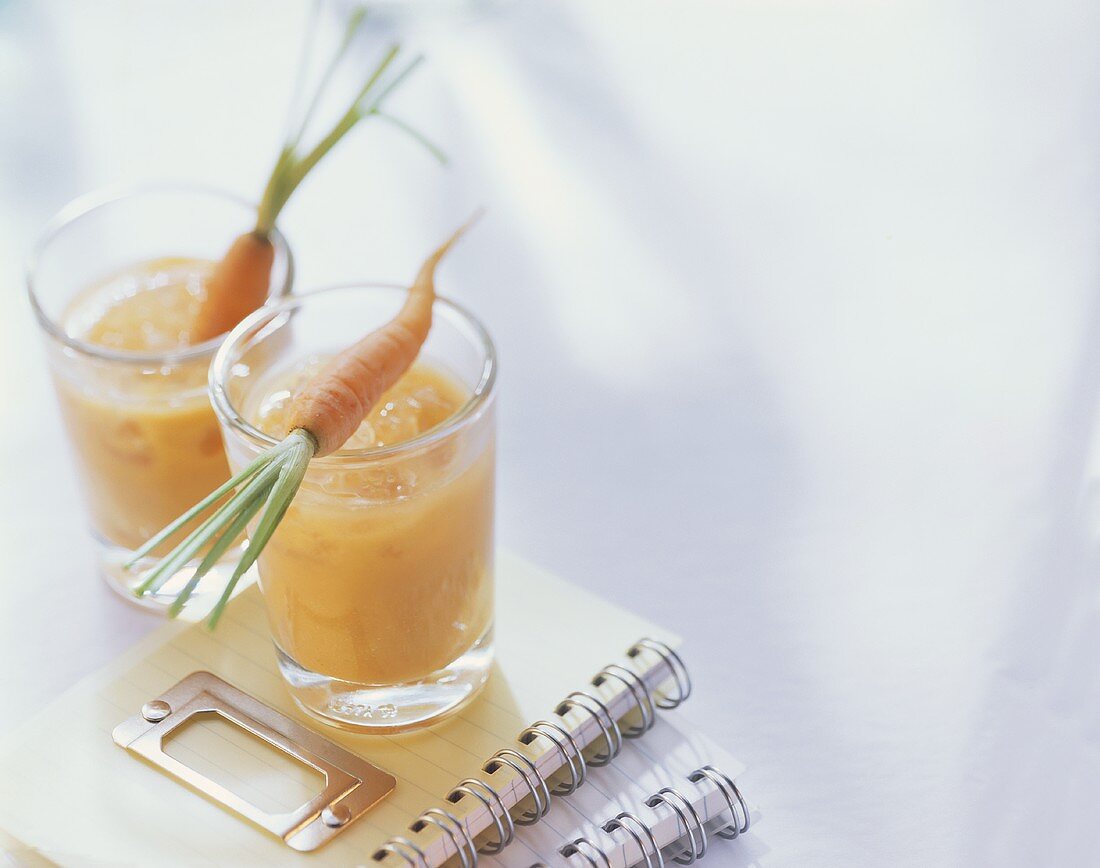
(291, 474)
(227, 538)
(292, 165)
(355, 20)
(291, 171)
(274, 197)
(204, 504)
(389, 88)
(268, 483)
(415, 134)
(193, 542)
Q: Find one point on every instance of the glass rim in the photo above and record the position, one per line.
(230, 416)
(92, 201)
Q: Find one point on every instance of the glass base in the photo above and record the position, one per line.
(123, 581)
(390, 708)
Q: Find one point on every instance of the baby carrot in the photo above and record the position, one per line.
(336, 401)
(324, 414)
(237, 286)
(239, 282)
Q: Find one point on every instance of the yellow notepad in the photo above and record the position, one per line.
(72, 794)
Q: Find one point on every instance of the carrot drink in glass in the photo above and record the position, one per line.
(115, 283)
(378, 582)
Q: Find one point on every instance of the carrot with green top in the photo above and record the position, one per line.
(238, 283)
(324, 414)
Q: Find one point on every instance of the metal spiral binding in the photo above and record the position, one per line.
(501, 819)
(572, 757)
(569, 749)
(643, 699)
(460, 838)
(613, 738)
(653, 859)
(397, 846)
(539, 792)
(669, 796)
(584, 848)
(738, 824)
(676, 667)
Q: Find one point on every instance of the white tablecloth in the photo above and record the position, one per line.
(798, 309)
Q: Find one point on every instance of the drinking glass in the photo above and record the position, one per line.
(378, 583)
(145, 438)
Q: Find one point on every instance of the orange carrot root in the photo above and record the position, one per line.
(335, 402)
(237, 286)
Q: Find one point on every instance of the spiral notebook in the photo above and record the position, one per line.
(107, 807)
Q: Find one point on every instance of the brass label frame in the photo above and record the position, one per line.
(352, 785)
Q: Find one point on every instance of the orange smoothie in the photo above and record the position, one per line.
(146, 439)
(381, 571)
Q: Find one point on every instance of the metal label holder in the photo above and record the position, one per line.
(352, 785)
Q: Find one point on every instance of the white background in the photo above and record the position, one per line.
(798, 310)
